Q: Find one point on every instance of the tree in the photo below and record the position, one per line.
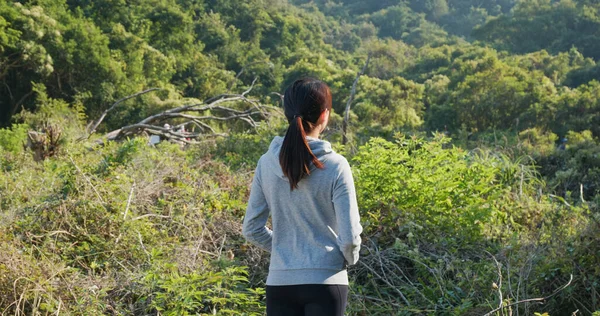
(396, 21)
(395, 103)
(544, 24)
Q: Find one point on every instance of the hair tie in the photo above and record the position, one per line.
(300, 116)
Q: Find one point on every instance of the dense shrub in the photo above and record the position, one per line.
(442, 225)
(122, 239)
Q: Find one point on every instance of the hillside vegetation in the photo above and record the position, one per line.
(474, 142)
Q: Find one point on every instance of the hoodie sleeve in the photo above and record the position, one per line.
(347, 216)
(257, 213)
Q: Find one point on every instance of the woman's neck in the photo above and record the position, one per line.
(314, 133)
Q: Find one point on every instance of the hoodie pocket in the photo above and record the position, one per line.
(344, 264)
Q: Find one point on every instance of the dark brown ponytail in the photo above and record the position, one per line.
(303, 103)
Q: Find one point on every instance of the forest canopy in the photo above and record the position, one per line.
(92, 53)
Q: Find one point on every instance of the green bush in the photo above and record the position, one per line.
(13, 140)
(223, 292)
(441, 222)
(441, 194)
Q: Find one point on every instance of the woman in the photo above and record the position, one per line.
(308, 190)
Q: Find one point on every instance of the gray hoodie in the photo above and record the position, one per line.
(316, 228)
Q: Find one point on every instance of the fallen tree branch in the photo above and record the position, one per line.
(94, 124)
(198, 116)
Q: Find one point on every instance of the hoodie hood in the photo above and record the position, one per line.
(320, 149)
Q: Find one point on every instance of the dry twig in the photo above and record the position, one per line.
(386, 282)
(89, 182)
(498, 286)
(129, 201)
(540, 300)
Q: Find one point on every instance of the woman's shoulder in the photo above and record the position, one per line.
(337, 161)
(336, 158)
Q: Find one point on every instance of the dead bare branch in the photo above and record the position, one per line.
(251, 87)
(129, 201)
(498, 286)
(349, 103)
(538, 300)
(94, 124)
(198, 116)
(237, 76)
(386, 282)
(280, 97)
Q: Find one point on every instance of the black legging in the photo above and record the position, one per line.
(307, 300)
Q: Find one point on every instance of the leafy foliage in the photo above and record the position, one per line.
(545, 24)
(222, 292)
(435, 214)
